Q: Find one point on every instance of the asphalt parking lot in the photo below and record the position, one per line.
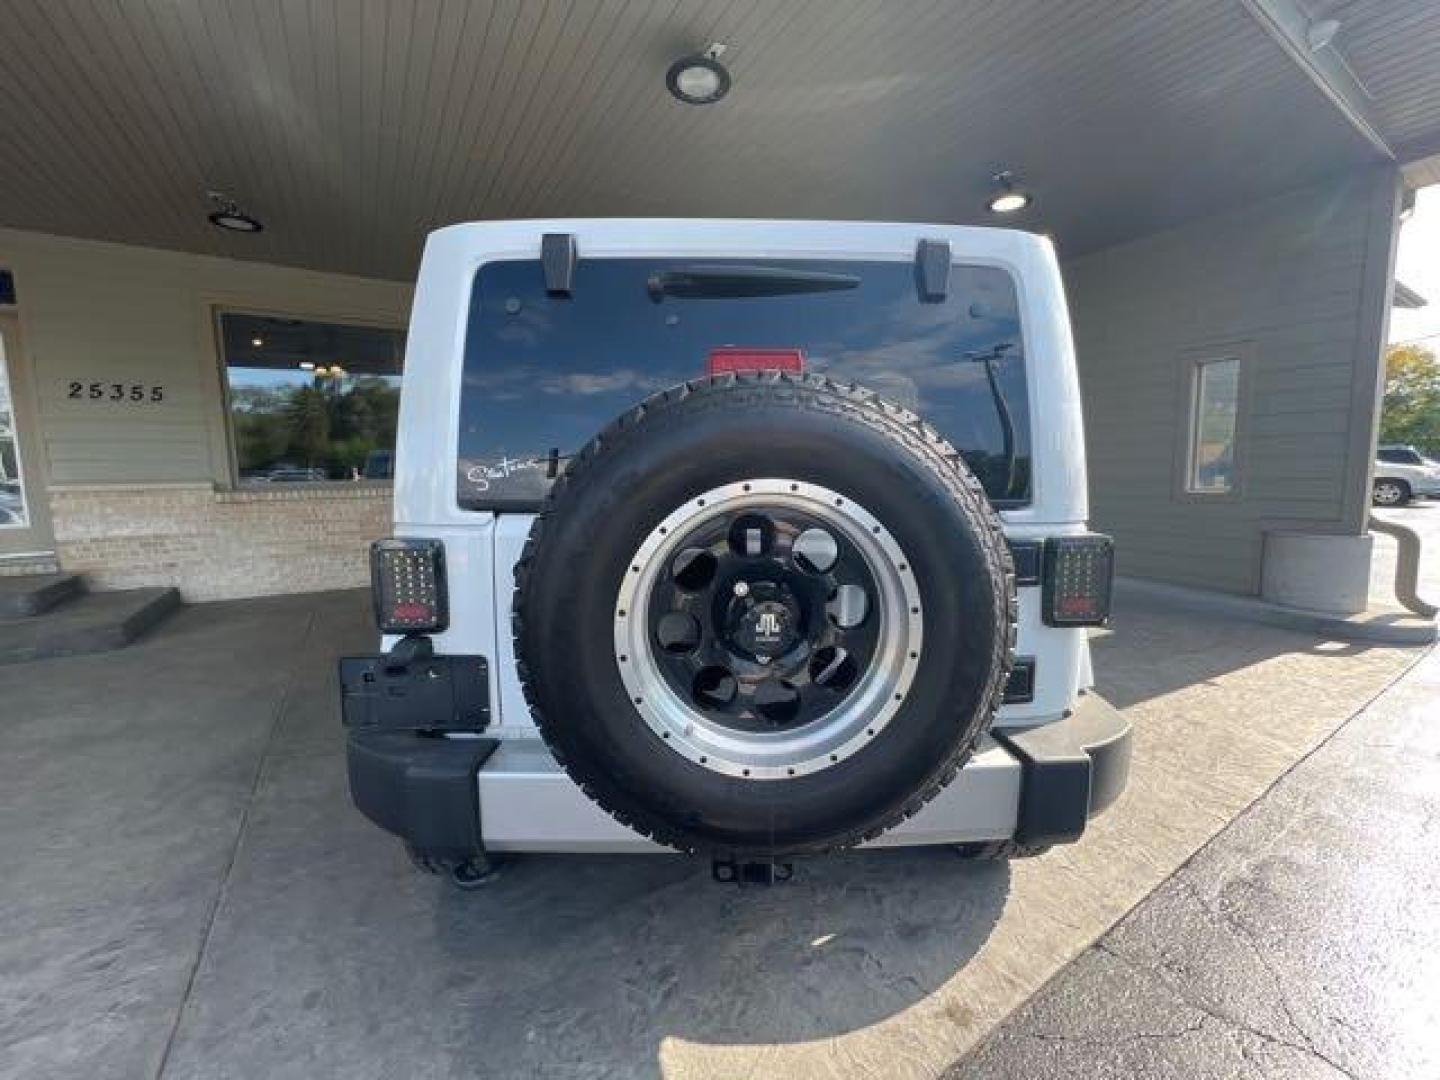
(189, 894)
(1304, 941)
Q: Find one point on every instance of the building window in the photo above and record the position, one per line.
(12, 487)
(311, 401)
(1214, 418)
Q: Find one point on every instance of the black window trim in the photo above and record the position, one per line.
(230, 480)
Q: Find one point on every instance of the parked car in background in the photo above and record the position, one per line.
(1403, 473)
(380, 465)
(287, 475)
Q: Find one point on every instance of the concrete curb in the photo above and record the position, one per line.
(1377, 626)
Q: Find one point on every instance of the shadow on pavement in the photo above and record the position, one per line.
(330, 955)
(635, 950)
(344, 961)
(1150, 652)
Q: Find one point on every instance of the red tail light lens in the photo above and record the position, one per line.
(1076, 581)
(407, 580)
(733, 359)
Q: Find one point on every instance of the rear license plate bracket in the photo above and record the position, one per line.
(427, 693)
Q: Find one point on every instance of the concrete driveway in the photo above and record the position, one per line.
(187, 892)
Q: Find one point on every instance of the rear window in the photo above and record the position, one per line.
(543, 374)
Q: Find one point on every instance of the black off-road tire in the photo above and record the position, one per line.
(691, 439)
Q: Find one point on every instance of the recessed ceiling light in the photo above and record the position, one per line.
(257, 342)
(700, 79)
(227, 215)
(1009, 202)
(1007, 198)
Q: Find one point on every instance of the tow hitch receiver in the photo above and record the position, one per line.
(751, 872)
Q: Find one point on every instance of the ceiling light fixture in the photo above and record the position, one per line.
(228, 215)
(700, 79)
(257, 342)
(1008, 199)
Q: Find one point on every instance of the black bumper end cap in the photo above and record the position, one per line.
(1071, 770)
(422, 789)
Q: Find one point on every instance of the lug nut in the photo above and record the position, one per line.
(742, 589)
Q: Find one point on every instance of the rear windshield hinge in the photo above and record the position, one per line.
(558, 257)
(932, 270)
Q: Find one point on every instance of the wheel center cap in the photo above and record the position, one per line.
(764, 623)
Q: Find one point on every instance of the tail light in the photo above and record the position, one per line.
(1076, 582)
(732, 359)
(407, 579)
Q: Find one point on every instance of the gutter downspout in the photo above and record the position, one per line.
(1407, 566)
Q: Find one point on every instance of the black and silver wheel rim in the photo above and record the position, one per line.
(1388, 494)
(768, 629)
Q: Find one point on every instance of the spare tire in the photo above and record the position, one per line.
(764, 614)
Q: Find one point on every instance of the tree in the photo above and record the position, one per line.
(308, 415)
(327, 424)
(1411, 411)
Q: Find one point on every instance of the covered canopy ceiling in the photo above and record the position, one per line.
(352, 128)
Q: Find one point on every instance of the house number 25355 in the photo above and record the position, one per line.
(136, 393)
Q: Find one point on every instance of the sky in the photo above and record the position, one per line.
(1418, 265)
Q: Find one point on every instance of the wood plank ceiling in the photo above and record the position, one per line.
(352, 127)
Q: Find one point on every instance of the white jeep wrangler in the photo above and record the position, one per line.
(755, 539)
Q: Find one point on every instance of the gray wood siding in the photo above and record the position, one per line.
(99, 312)
(1286, 280)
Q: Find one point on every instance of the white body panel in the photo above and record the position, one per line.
(482, 548)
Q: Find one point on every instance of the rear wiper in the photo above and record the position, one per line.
(733, 282)
(1002, 408)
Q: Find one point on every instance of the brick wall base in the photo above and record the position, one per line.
(216, 545)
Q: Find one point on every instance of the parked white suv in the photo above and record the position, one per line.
(1403, 473)
(755, 539)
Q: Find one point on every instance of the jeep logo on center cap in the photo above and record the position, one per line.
(768, 626)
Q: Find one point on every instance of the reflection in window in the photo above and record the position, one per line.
(12, 488)
(310, 400)
(544, 374)
(1213, 424)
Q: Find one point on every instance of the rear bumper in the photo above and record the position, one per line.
(453, 797)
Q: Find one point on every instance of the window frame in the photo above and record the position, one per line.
(1193, 361)
(218, 308)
